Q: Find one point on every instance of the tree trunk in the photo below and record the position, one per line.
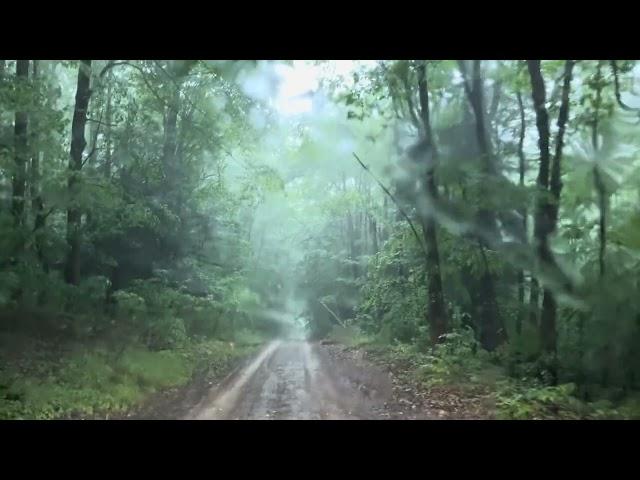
(549, 307)
(37, 205)
(78, 144)
(170, 161)
(547, 210)
(352, 247)
(523, 211)
(534, 302)
(563, 116)
(492, 332)
(373, 233)
(384, 231)
(542, 221)
(597, 177)
(436, 311)
(108, 117)
(21, 149)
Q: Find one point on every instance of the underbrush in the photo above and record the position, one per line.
(89, 382)
(459, 364)
(349, 336)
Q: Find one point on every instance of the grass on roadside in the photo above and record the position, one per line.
(87, 382)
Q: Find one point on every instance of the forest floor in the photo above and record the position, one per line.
(336, 381)
(42, 379)
(303, 380)
(352, 378)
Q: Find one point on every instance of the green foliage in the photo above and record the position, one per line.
(350, 336)
(533, 402)
(97, 382)
(394, 295)
(205, 214)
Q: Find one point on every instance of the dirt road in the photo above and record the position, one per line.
(299, 380)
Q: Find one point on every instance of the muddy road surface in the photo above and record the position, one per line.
(298, 380)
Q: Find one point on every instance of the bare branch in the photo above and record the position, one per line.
(100, 123)
(402, 212)
(333, 314)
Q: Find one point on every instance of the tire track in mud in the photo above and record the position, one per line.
(297, 380)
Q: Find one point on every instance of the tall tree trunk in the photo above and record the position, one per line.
(21, 149)
(534, 302)
(602, 202)
(173, 171)
(549, 307)
(177, 69)
(542, 214)
(95, 122)
(555, 184)
(78, 144)
(384, 231)
(436, 311)
(3, 145)
(597, 177)
(108, 119)
(373, 233)
(492, 332)
(352, 247)
(37, 205)
(523, 212)
(547, 210)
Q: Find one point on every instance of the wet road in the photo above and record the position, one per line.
(296, 380)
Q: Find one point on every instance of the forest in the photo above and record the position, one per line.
(458, 238)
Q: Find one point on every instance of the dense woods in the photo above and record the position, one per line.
(475, 215)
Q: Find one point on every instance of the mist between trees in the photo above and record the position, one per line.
(154, 206)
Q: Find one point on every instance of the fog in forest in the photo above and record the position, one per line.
(458, 223)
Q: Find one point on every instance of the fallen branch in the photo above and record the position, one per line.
(333, 314)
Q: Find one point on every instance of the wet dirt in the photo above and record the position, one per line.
(298, 380)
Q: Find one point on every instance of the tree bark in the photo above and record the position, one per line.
(523, 212)
(108, 117)
(542, 221)
(373, 233)
(436, 311)
(37, 205)
(21, 149)
(547, 209)
(492, 332)
(597, 177)
(78, 144)
(352, 247)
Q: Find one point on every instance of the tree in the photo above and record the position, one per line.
(78, 143)
(492, 332)
(436, 314)
(547, 206)
(21, 145)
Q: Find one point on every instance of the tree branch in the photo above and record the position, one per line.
(112, 64)
(616, 83)
(333, 314)
(95, 140)
(402, 212)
